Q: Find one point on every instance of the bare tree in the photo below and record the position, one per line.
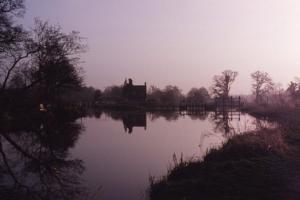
(46, 60)
(293, 89)
(57, 54)
(262, 85)
(10, 33)
(14, 41)
(222, 83)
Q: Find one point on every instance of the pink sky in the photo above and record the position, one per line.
(180, 42)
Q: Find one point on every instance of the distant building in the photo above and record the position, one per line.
(134, 93)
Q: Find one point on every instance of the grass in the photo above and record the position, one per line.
(259, 165)
(271, 111)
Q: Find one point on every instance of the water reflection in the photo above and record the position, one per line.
(35, 162)
(175, 115)
(44, 156)
(197, 115)
(169, 116)
(134, 119)
(222, 121)
(121, 163)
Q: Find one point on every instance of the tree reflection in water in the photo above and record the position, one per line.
(175, 115)
(34, 159)
(167, 115)
(133, 119)
(222, 122)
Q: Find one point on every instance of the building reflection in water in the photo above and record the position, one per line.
(35, 161)
(134, 119)
(222, 119)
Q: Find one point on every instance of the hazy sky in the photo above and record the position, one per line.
(180, 42)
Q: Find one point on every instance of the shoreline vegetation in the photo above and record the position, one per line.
(42, 85)
(262, 164)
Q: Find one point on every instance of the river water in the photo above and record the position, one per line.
(121, 150)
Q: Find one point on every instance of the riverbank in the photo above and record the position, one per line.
(263, 164)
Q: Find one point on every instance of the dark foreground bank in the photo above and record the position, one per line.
(264, 164)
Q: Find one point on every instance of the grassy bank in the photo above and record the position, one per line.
(271, 111)
(259, 165)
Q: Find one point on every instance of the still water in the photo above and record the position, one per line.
(121, 150)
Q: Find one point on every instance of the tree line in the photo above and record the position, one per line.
(42, 65)
(264, 91)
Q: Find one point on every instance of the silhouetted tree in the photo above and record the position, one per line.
(11, 34)
(45, 59)
(15, 45)
(294, 89)
(262, 84)
(154, 94)
(170, 95)
(113, 91)
(222, 83)
(196, 95)
(97, 95)
(278, 95)
(55, 64)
